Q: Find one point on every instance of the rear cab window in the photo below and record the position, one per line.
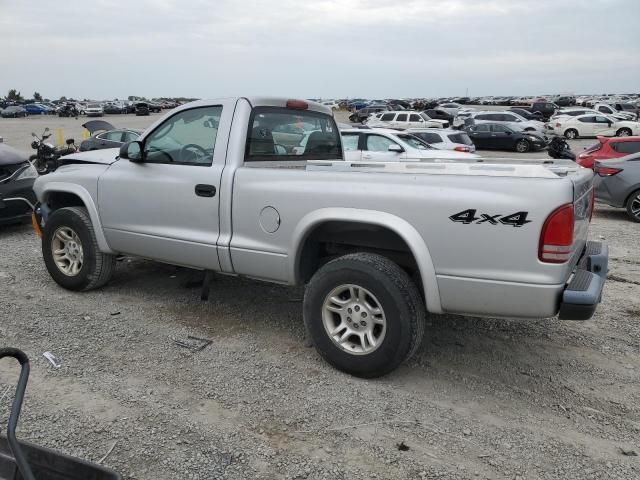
(282, 134)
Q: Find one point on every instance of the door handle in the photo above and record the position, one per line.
(366, 156)
(204, 190)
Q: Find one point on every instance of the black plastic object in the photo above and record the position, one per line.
(26, 461)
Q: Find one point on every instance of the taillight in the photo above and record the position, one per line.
(558, 124)
(606, 171)
(556, 238)
(462, 149)
(297, 104)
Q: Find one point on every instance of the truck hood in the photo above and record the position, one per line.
(104, 157)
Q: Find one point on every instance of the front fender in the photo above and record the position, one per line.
(400, 226)
(44, 189)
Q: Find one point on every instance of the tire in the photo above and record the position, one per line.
(624, 132)
(571, 134)
(371, 280)
(633, 206)
(522, 146)
(95, 268)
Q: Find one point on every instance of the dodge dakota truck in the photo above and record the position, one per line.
(259, 187)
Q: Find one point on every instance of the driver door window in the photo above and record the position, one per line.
(187, 138)
(378, 143)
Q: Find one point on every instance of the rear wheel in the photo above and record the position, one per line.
(633, 206)
(71, 253)
(571, 134)
(624, 132)
(522, 146)
(364, 314)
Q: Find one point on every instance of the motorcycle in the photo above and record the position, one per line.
(68, 111)
(559, 149)
(46, 157)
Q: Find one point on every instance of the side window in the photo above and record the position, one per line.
(187, 138)
(282, 134)
(499, 129)
(483, 117)
(130, 136)
(402, 117)
(626, 147)
(509, 118)
(414, 117)
(378, 143)
(429, 137)
(600, 119)
(387, 117)
(114, 136)
(587, 119)
(350, 141)
(483, 127)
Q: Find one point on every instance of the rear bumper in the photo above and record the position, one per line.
(583, 293)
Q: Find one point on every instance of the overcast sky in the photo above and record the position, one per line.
(106, 49)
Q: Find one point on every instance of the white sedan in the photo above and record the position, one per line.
(388, 145)
(590, 125)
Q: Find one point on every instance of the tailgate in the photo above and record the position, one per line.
(582, 179)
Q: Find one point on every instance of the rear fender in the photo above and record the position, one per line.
(398, 225)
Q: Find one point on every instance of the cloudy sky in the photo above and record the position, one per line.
(107, 49)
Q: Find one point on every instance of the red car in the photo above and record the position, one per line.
(608, 148)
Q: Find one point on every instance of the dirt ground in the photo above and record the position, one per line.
(483, 398)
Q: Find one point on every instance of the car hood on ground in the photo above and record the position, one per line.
(106, 156)
(11, 156)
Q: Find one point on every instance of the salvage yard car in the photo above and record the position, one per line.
(377, 245)
(591, 125)
(388, 145)
(498, 136)
(406, 119)
(17, 175)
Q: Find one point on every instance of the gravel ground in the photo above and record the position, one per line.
(483, 398)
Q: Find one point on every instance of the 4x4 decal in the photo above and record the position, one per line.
(468, 217)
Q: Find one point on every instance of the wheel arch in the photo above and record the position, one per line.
(311, 222)
(59, 195)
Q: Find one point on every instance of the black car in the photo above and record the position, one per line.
(115, 108)
(105, 135)
(16, 185)
(546, 109)
(14, 111)
(142, 108)
(362, 114)
(496, 136)
(439, 114)
(527, 114)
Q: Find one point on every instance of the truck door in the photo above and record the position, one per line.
(165, 206)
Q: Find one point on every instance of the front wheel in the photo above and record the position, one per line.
(364, 314)
(624, 132)
(522, 146)
(571, 134)
(633, 206)
(71, 253)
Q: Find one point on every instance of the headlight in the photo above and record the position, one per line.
(29, 172)
(532, 138)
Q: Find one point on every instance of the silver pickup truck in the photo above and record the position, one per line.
(259, 187)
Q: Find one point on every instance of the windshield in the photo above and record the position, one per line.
(415, 142)
(425, 116)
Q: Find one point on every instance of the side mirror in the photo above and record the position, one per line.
(132, 151)
(396, 148)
